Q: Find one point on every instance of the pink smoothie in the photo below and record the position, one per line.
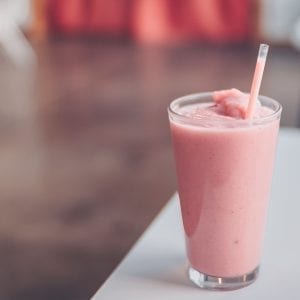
(224, 167)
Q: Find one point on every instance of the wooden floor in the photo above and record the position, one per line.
(85, 155)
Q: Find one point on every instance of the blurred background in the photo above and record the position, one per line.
(85, 154)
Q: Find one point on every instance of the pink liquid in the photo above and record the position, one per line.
(224, 175)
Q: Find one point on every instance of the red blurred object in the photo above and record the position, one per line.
(67, 16)
(108, 17)
(154, 21)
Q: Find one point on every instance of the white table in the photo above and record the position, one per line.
(155, 268)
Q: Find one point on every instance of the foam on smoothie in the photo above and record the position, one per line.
(228, 104)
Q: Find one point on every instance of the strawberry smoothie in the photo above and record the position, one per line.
(224, 166)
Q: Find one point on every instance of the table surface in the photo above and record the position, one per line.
(155, 268)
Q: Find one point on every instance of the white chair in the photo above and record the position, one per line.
(15, 14)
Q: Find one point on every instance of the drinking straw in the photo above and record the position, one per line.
(257, 77)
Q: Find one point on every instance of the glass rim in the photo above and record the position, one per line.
(261, 120)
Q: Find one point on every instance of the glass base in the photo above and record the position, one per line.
(221, 283)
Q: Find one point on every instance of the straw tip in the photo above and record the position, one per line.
(263, 50)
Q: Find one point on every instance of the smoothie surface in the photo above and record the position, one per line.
(227, 105)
